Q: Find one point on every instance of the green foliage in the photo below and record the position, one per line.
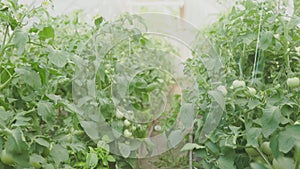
(253, 124)
(40, 126)
(256, 42)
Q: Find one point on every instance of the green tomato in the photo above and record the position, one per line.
(119, 114)
(265, 147)
(251, 152)
(7, 158)
(293, 82)
(133, 128)
(127, 133)
(222, 89)
(252, 91)
(238, 83)
(36, 165)
(127, 122)
(259, 159)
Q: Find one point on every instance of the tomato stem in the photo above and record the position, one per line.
(7, 82)
(264, 157)
(5, 35)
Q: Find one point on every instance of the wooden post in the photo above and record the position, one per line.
(182, 10)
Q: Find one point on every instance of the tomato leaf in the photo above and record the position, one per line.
(252, 135)
(59, 153)
(49, 166)
(42, 142)
(98, 21)
(283, 162)
(266, 39)
(46, 33)
(91, 128)
(227, 161)
(288, 138)
(37, 158)
(270, 120)
(46, 111)
(92, 160)
(257, 166)
(30, 77)
(187, 115)
(175, 137)
(20, 39)
(16, 143)
(58, 58)
(124, 150)
(4, 115)
(191, 146)
(274, 146)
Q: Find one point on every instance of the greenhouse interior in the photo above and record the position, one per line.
(149, 84)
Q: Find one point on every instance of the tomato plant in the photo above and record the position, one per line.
(293, 82)
(248, 99)
(6, 158)
(257, 44)
(40, 126)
